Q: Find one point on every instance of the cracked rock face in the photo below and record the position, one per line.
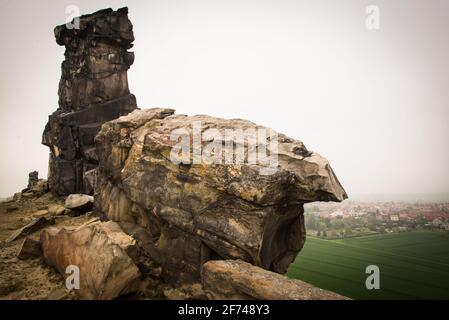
(200, 211)
(101, 251)
(93, 89)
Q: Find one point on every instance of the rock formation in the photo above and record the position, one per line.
(33, 179)
(93, 89)
(200, 212)
(185, 189)
(236, 279)
(101, 251)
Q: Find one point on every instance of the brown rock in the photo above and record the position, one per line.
(100, 251)
(236, 279)
(200, 211)
(29, 249)
(35, 225)
(40, 213)
(56, 209)
(12, 208)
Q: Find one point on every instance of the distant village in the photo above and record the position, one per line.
(352, 219)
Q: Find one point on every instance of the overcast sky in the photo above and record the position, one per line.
(374, 102)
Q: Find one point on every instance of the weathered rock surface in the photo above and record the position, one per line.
(35, 225)
(196, 212)
(236, 279)
(79, 202)
(102, 253)
(93, 89)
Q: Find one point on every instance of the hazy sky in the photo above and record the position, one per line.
(375, 103)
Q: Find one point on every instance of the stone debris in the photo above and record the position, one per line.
(35, 225)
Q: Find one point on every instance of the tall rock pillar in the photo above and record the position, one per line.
(93, 89)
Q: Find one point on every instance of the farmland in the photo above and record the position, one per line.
(413, 265)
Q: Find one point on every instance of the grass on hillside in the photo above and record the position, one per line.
(413, 265)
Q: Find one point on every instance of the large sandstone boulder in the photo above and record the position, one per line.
(236, 279)
(93, 89)
(102, 253)
(202, 210)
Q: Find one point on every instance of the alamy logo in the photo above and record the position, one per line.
(73, 279)
(255, 145)
(73, 20)
(372, 21)
(373, 280)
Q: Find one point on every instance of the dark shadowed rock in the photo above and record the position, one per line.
(236, 279)
(29, 249)
(93, 89)
(33, 178)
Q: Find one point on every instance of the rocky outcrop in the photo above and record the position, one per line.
(102, 253)
(189, 189)
(93, 89)
(236, 279)
(200, 211)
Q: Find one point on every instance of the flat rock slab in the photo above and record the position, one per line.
(100, 251)
(236, 279)
(33, 226)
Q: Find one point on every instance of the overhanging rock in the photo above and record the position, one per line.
(205, 211)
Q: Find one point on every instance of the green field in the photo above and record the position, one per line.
(413, 265)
